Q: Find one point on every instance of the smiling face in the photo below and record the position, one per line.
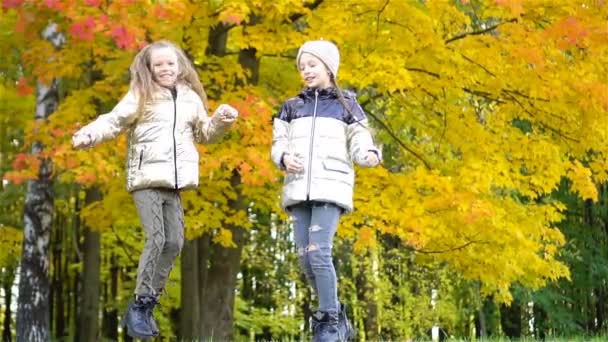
(164, 66)
(313, 72)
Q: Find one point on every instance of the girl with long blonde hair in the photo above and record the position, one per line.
(164, 114)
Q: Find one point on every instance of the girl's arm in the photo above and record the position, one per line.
(209, 129)
(108, 126)
(280, 138)
(361, 146)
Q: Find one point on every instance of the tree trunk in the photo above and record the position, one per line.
(59, 277)
(190, 319)
(218, 266)
(8, 279)
(218, 302)
(33, 302)
(109, 322)
(510, 318)
(88, 325)
(480, 324)
(599, 309)
(540, 322)
(204, 254)
(365, 294)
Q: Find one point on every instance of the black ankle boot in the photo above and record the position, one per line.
(347, 332)
(136, 318)
(150, 312)
(325, 327)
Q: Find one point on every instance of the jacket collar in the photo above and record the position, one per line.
(308, 92)
(165, 93)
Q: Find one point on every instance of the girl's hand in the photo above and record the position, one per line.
(81, 140)
(226, 113)
(293, 164)
(371, 158)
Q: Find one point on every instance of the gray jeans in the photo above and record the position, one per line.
(162, 217)
(315, 226)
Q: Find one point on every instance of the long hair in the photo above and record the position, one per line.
(341, 98)
(342, 101)
(142, 81)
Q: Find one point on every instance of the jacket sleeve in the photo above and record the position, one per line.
(280, 137)
(108, 126)
(360, 140)
(207, 129)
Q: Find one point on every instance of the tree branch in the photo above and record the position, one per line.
(378, 16)
(311, 6)
(483, 94)
(394, 136)
(475, 33)
(452, 249)
(423, 71)
(479, 65)
(527, 111)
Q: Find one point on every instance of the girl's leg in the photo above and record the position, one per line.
(173, 218)
(149, 205)
(300, 214)
(323, 225)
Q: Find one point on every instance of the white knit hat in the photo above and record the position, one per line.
(324, 50)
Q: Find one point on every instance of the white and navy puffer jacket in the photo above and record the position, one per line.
(316, 127)
(162, 151)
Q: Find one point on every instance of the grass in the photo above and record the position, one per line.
(529, 339)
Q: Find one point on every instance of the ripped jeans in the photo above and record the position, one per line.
(315, 225)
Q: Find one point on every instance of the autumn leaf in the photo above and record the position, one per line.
(84, 29)
(23, 87)
(7, 4)
(92, 3)
(123, 37)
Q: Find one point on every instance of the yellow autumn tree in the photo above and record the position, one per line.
(484, 107)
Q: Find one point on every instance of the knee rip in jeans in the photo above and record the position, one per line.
(312, 247)
(315, 228)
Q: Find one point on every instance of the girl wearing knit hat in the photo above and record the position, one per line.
(317, 136)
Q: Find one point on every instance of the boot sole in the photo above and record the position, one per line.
(123, 324)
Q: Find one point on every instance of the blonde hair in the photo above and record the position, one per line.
(142, 82)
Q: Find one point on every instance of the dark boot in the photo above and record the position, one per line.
(136, 318)
(150, 312)
(346, 329)
(325, 327)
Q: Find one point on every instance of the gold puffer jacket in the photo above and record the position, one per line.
(161, 151)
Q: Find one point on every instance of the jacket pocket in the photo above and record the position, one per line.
(141, 158)
(336, 165)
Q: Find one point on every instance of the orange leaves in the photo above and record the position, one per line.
(11, 3)
(92, 3)
(124, 38)
(25, 167)
(83, 29)
(569, 32)
(160, 11)
(24, 161)
(23, 87)
(232, 19)
(234, 14)
(56, 5)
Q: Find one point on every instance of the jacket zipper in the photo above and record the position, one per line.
(141, 157)
(174, 94)
(310, 150)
